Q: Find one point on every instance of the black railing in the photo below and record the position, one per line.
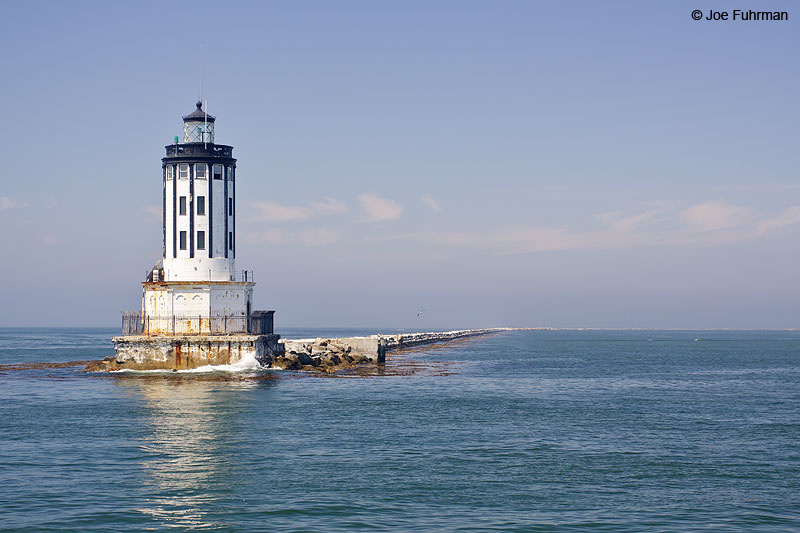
(261, 323)
(200, 149)
(258, 323)
(244, 275)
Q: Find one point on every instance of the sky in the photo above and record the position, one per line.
(497, 163)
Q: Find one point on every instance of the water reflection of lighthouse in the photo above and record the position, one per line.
(192, 422)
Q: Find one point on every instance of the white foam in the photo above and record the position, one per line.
(246, 364)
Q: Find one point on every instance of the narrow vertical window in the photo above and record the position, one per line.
(183, 171)
(230, 206)
(217, 172)
(183, 240)
(201, 205)
(200, 171)
(170, 171)
(182, 206)
(201, 240)
(230, 173)
(230, 240)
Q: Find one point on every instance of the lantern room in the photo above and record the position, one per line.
(198, 126)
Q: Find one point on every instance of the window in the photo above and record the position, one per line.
(218, 172)
(201, 240)
(182, 206)
(183, 172)
(183, 240)
(170, 170)
(230, 207)
(230, 173)
(230, 240)
(201, 205)
(200, 171)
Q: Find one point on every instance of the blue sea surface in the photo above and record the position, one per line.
(519, 431)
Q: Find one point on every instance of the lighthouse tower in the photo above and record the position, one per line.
(199, 204)
(195, 288)
(196, 308)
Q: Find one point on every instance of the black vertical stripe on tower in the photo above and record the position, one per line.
(233, 215)
(210, 207)
(174, 211)
(164, 212)
(225, 177)
(191, 211)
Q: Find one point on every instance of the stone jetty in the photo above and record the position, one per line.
(330, 355)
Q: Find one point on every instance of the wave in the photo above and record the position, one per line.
(246, 364)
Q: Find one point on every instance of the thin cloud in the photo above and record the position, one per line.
(712, 216)
(153, 210)
(7, 202)
(430, 202)
(273, 212)
(273, 236)
(627, 223)
(705, 224)
(329, 206)
(280, 237)
(378, 208)
(318, 237)
(787, 217)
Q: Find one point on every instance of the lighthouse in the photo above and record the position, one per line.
(199, 215)
(196, 307)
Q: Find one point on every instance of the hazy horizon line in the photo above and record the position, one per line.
(510, 328)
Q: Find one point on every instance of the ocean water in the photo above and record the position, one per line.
(520, 431)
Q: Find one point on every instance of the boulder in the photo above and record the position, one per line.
(318, 350)
(305, 359)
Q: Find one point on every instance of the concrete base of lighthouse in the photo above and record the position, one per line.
(183, 352)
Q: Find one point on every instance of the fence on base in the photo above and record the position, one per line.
(258, 323)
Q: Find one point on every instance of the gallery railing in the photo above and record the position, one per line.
(258, 323)
(157, 274)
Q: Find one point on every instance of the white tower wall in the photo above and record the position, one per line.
(218, 212)
(199, 237)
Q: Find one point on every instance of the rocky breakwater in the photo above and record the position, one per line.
(331, 355)
(321, 355)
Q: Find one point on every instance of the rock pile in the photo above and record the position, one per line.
(321, 355)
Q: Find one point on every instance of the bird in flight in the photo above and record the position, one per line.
(420, 312)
